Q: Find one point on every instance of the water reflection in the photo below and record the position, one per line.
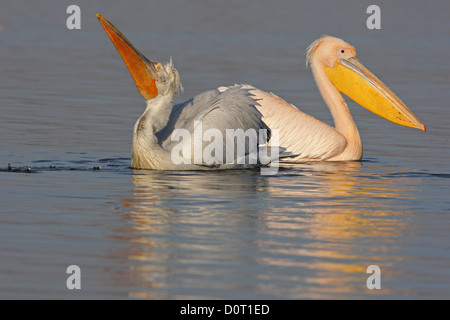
(314, 229)
(184, 218)
(349, 219)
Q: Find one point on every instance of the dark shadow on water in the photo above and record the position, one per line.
(286, 169)
(41, 166)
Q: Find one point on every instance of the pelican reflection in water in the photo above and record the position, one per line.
(322, 223)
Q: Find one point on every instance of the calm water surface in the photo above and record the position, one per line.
(68, 105)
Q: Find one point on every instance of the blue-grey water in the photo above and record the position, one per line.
(68, 106)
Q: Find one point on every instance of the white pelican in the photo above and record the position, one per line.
(335, 68)
(220, 110)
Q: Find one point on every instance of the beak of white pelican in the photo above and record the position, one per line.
(142, 70)
(358, 83)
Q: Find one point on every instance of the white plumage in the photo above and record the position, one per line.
(230, 109)
(243, 107)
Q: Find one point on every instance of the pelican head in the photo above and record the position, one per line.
(349, 76)
(152, 78)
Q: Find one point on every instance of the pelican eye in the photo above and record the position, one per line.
(342, 50)
(158, 67)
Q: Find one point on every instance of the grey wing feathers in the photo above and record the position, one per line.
(233, 108)
(183, 113)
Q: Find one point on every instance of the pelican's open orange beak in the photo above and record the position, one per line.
(142, 69)
(358, 83)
